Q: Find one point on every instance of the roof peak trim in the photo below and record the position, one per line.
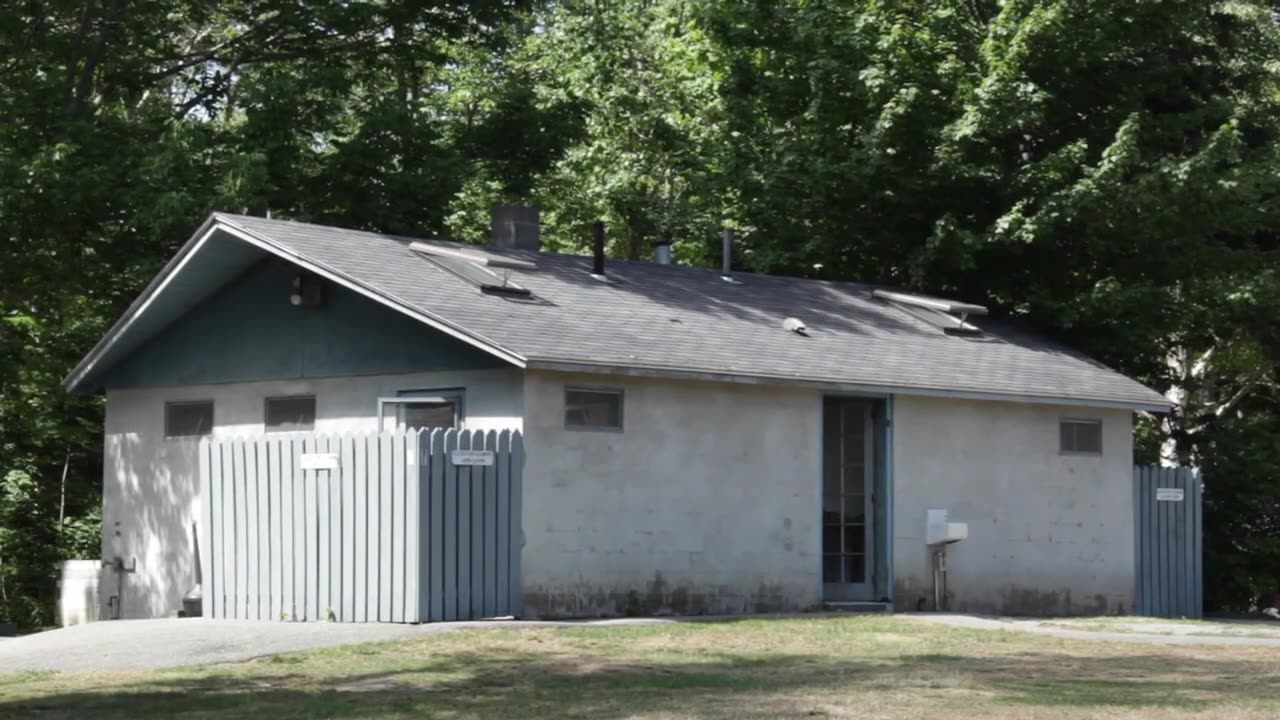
(218, 222)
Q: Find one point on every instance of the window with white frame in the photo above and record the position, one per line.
(192, 418)
(290, 414)
(1080, 436)
(592, 408)
(422, 409)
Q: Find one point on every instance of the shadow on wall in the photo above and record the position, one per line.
(149, 510)
(609, 684)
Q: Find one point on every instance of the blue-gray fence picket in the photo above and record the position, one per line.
(361, 528)
(1167, 530)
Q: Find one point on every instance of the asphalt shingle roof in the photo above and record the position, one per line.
(673, 318)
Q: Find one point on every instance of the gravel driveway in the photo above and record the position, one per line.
(133, 644)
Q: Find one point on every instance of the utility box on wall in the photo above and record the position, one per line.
(78, 592)
(939, 530)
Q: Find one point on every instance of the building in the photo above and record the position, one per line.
(698, 441)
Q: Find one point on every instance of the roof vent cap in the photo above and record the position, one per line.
(795, 325)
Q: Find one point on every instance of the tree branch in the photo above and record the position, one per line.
(85, 86)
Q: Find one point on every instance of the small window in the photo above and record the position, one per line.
(586, 409)
(188, 419)
(291, 414)
(421, 409)
(1081, 436)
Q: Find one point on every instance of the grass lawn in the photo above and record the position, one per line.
(837, 667)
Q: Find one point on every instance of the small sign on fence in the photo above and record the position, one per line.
(471, 457)
(319, 461)
(1169, 494)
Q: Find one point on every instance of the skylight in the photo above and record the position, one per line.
(470, 254)
(948, 315)
(487, 280)
(487, 271)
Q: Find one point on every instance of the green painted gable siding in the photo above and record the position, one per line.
(249, 331)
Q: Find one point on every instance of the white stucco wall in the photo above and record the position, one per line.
(150, 483)
(1048, 533)
(706, 502)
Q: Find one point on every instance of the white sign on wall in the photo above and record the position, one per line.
(1169, 494)
(471, 457)
(319, 461)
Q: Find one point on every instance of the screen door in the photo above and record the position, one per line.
(846, 499)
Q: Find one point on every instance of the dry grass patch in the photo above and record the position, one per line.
(1162, 626)
(821, 667)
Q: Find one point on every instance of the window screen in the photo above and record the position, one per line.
(291, 414)
(592, 409)
(1081, 436)
(188, 419)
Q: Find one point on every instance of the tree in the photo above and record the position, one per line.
(122, 124)
(1103, 170)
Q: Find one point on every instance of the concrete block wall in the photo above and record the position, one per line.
(1049, 534)
(706, 502)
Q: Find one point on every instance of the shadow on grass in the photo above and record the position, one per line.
(533, 685)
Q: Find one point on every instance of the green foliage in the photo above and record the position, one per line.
(1242, 511)
(1104, 170)
(28, 552)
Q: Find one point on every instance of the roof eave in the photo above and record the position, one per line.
(71, 383)
(430, 319)
(838, 385)
(74, 380)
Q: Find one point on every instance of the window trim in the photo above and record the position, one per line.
(1080, 421)
(606, 389)
(213, 418)
(455, 395)
(315, 412)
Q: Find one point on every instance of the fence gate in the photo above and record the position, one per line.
(1167, 521)
(362, 528)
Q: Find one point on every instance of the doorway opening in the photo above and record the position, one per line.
(855, 548)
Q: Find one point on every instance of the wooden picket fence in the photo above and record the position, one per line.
(362, 528)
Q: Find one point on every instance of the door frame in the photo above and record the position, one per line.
(872, 464)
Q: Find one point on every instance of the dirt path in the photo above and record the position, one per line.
(136, 644)
(1039, 628)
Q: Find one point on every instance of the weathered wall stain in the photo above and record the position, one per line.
(912, 595)
(657, 598)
